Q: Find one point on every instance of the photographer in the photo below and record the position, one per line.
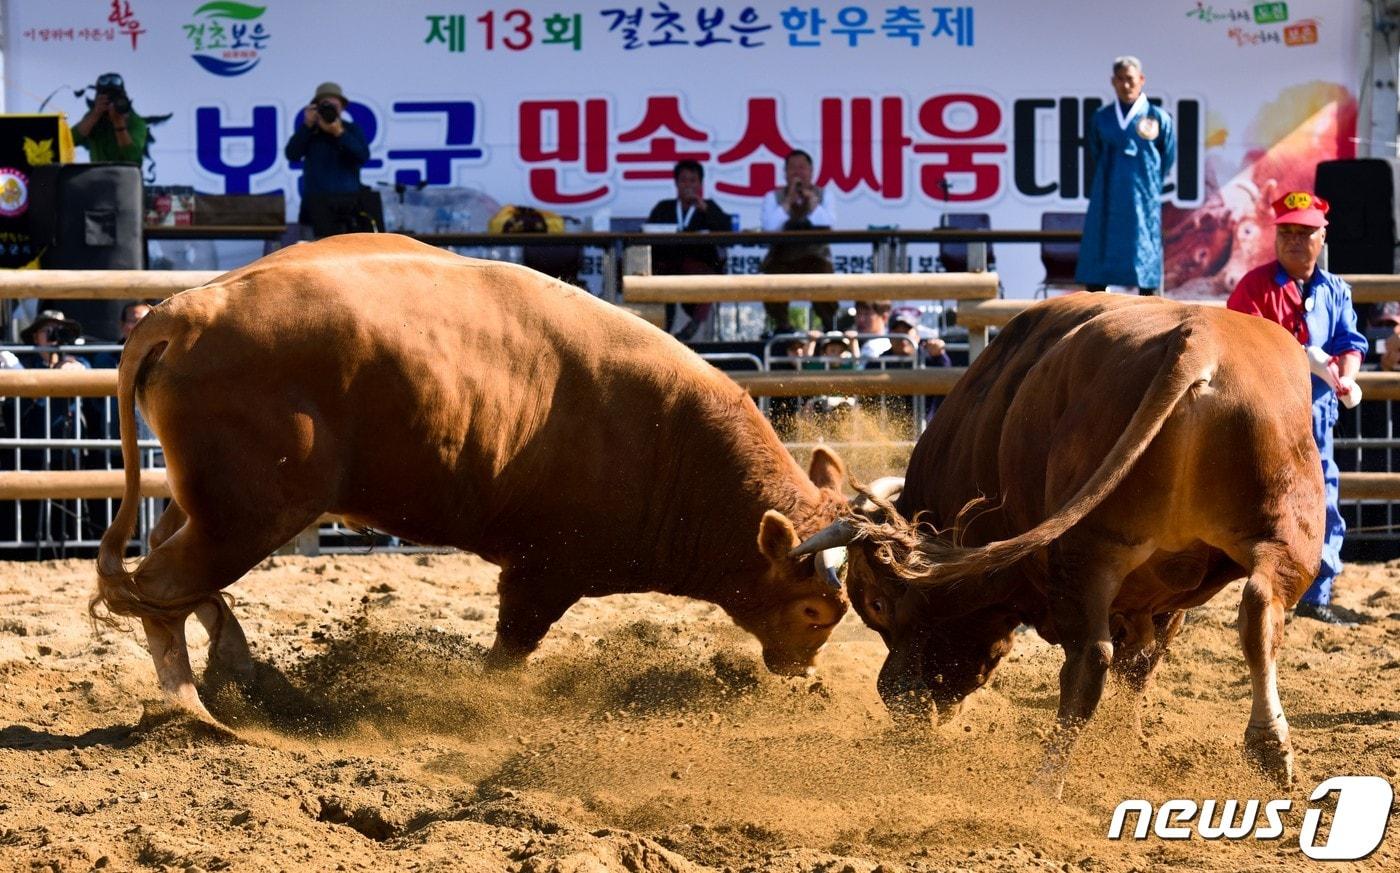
(111, 130)
(332, 149)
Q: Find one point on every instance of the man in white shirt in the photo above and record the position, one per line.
(798, 205)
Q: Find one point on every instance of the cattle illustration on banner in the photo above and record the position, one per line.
(911, 113)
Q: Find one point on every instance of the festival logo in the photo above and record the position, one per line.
(14, 192)
(228, 38)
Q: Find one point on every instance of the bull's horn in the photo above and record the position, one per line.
(886, 487)
(838, 533)
(829, 563)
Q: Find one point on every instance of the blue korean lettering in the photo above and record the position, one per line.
(461, 142)
(903, 22)
(629, 22)
(211, 134)
(748, 27)
(852, 21)
(707, 24)
(798, 21)
(955, 22)
(668, 25)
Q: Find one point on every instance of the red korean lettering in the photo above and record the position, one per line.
(959, 155)
(761, 133)
(662, 116)
(849, 171)
(580, 137)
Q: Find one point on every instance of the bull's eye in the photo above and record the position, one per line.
(877, 606)
(811, 613)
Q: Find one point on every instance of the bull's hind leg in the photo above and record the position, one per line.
(171, 520)
(1266, 741)
(528, 607)
(184, 574)
(229, 656)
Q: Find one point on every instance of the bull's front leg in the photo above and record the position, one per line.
(1136, 662)
(1082, 588)
(528, 607)
(1266, 742)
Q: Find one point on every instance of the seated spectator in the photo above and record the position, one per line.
(690, 212)
(872, 322)
(831, 351)
(908, 338)
(798, 205)
(1387, 315)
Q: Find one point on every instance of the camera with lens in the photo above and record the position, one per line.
(113, 88)
(63, 334)
(329, 110)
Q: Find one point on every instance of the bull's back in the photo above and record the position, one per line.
(399, 385)
(1029, 426)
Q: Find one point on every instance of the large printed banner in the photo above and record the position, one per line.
(911, 111)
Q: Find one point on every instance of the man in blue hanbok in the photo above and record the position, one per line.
(1132, 145)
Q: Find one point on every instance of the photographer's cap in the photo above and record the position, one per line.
(110, 80)
(48, 318)
(329, 89)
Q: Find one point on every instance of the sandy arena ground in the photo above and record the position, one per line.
(644, 736)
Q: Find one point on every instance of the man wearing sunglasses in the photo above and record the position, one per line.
(111, 130)
(1315, 306)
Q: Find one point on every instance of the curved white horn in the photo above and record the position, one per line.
(838, 533)
(886, 487)
(829, 563)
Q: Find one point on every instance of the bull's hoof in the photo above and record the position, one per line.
(1270, 754)
(1049, 783)
(500, 660)
(219, 674)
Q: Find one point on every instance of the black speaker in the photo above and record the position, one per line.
(1362, 223)
(89, 216)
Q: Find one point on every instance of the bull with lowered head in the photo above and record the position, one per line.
(454, 402)
(1108, 463)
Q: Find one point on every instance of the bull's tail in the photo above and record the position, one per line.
(117, 593)
(938, 563)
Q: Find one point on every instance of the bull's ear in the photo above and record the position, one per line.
(827, 470)
(776, 536)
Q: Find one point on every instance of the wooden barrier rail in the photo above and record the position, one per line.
(777, 287)
(99, 284)
(109, 484)
(77, 484)
(123, 284)
(796, 383)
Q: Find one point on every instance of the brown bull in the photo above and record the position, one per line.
(462, 403)
(1135, 455)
